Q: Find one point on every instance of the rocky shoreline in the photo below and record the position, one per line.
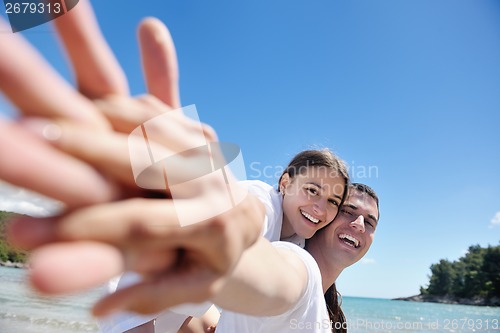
(480, 301)
(10, 264)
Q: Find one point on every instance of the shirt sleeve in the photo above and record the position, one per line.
(271, 228)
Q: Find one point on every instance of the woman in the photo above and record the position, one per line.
(335, 247)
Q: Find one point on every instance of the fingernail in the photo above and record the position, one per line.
(42, 128)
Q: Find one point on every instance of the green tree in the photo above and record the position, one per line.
(458, 284)
(476, 274)
(441, 280)
(4, 252)
(473, 275)
(491, 271)
(7, 251)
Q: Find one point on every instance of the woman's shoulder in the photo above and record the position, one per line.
(257, 184)
(265, 192)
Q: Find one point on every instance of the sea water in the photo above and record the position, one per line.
(382, 315)
(22, 311)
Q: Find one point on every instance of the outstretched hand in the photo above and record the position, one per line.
(38, 90)
(79, 160)
(182, 264)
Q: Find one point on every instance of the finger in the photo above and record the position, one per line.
(183, 148)
(106, 151)
(136, 160)
(161, 123)
(171, 127)
(139, 225)
(126, 224)
(190, 286)
(98, 73)
(29, 162)
(159, 61)
(126, 114)
(125, 158)
(69, 267)
(150, 261)
(35, 88)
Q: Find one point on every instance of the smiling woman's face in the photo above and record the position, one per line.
(311, 200)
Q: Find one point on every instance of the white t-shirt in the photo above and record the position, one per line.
(308, 315)
(169, 320)
(273, 202)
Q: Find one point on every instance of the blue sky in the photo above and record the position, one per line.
(407, 92)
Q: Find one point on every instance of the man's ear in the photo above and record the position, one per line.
(284, 182)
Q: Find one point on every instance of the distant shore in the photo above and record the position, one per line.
(480, 301)
(10, 264)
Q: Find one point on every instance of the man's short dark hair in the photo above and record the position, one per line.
(368, 190)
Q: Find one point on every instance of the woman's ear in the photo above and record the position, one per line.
(284, 182)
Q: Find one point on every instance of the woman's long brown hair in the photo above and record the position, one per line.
(337, 318)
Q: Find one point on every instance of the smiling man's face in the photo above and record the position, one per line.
(351, 234)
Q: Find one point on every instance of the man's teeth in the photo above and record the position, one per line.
(309, 217)
(349, 240)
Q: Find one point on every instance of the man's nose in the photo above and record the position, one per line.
(359, 223)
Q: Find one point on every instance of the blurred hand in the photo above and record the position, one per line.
(85, 163)
(37, 90)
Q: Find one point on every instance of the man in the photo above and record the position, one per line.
(335, 247)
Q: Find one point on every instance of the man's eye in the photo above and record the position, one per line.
(370, 224)
(346, 212)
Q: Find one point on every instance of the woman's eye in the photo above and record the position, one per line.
(312, 190)
(335, 203)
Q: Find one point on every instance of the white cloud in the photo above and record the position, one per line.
(495, 221)
(368, 261)
(19, 200)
